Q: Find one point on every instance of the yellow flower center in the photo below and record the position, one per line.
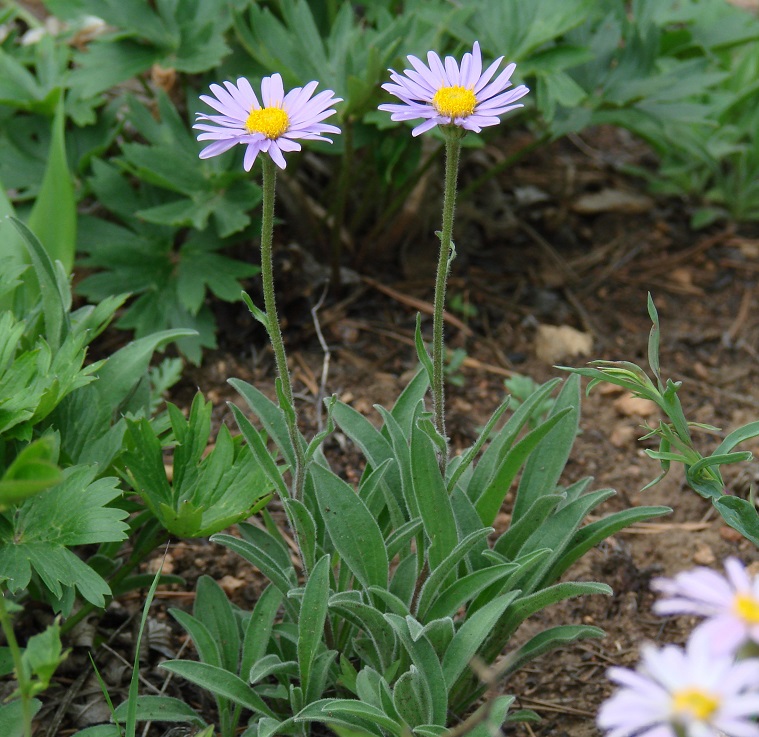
(694, 702)
(747, 608)
(271, 121)
(454, 102)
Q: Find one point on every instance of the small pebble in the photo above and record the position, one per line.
(704, 555)
(729, 534)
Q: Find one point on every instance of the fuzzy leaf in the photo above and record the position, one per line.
(352, 528)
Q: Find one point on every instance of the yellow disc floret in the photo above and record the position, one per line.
(454, 102)
(695, 703)
(271, 121)
(747, 608)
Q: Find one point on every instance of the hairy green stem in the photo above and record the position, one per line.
(23, 684)
(272, 321)
(452, 150)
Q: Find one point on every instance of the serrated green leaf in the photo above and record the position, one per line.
(32, 471)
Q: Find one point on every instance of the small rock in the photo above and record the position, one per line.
(154, 564)
(729, 534)
(230, 584)
(630, 405)
(554, 343)
(704, 555)
(682, 276)
(622, 435)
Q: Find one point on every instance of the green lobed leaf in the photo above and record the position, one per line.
(31, 472)
(121, 372)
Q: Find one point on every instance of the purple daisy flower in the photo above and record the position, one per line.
(446, 94)
(683, 693)
(271, 128)
(730, 603)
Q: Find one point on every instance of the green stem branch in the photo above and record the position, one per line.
(23, 684)
(452, 150)
(272, 320)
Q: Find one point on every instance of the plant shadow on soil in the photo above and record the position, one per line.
(533, 248)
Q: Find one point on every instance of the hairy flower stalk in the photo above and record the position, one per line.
(270, 128)
(458, 98)
(272, 321)
(452, 150)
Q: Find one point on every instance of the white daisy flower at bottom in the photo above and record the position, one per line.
(683, 693)
(730, 603)
(271, 128)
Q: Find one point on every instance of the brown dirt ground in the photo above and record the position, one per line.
(531, 251)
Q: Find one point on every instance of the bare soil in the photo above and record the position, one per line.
(533, 249)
